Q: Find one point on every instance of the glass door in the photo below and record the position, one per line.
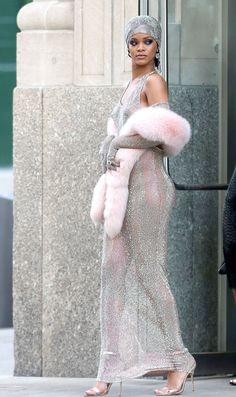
(194, 61)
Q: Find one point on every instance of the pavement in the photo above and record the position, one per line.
(11, 386)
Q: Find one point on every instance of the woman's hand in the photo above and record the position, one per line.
(111, 162)
(104, 148)
(127, 142)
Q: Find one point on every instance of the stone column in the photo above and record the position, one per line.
(71, 62)
(44, 58)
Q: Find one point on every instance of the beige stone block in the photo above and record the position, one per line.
(44, 58)
(93, 38)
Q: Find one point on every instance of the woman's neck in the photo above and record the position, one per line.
(139, 72)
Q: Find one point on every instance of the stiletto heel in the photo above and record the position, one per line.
(120, 389)
(97, 391)
(175, 392)
(192, 379)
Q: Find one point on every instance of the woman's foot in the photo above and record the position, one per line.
(175, 384)
(176, 380)
(100, 389)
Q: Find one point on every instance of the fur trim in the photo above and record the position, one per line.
(161, 125)
(117, 191)
(111, 127)
(98, 201)
(111, 192)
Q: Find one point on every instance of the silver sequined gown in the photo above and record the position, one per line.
(139, 321)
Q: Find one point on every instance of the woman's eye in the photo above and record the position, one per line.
(132, 42)
(148, 42)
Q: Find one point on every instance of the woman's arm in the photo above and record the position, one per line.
(155, 91)
(132, 142)
(127, 142)
(103, 151)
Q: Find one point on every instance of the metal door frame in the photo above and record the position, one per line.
(221, 362)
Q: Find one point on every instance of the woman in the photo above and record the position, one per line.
(133, 198)
(229, 239)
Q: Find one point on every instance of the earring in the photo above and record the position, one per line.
(157, 60)
(158, 55)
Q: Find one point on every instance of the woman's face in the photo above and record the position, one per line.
(142, 48)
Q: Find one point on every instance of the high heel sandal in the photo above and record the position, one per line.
(180, 390)
(98, 393)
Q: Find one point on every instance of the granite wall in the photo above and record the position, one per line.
(56, 247)
(193, 239)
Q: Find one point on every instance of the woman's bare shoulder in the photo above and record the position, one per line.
(155, 80)
(156, 89)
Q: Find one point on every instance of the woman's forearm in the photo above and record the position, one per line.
(133, 142)
(127, 142)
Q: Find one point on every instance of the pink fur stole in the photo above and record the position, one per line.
(110, 195)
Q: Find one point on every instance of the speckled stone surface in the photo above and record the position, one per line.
(193, 246)
(74, 124)
(57, 248)
(27, 250)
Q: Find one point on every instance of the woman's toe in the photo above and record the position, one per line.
(161, 392)
(92, 392)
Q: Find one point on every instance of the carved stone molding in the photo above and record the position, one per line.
(45, 45)
(47, 15)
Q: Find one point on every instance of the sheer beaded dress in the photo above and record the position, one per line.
(139, 320)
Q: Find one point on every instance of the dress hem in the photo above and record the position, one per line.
(162, 371)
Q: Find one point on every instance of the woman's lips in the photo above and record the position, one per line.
(141, 56)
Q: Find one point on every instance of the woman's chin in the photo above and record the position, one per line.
(141, 62)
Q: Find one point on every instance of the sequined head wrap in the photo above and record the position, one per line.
(143, 24)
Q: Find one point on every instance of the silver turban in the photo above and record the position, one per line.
(143, 24)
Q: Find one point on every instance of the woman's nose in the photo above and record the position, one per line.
(140, 47)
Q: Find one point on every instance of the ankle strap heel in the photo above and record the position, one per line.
(120, 389)
(192, 379)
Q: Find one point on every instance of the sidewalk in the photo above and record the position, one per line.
(11, 386)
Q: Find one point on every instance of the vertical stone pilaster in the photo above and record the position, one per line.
(93, 42)
(44, 58)
(28, 233)
(100, 52)
(122, 11)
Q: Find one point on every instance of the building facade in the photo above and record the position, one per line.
(71, 68)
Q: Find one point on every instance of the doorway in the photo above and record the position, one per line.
(194, 58)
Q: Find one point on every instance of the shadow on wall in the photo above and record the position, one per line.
(6, 231)
(6, 225)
